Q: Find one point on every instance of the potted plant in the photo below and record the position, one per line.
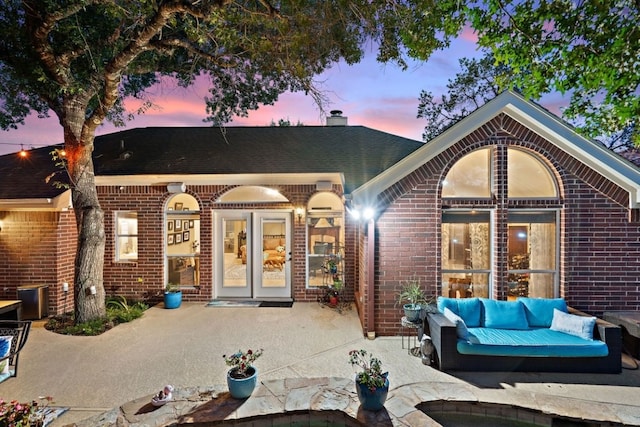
(243, 376)
(334, 291)
(172, 296)
(372, 385)
(412, 297)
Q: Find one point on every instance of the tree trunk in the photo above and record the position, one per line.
(89, 288)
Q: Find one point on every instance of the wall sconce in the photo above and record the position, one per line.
(299, 213)
(65, 287)
(176, 187)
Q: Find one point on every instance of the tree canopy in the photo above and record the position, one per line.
(80, 59)
(475, 85)
(588, 49)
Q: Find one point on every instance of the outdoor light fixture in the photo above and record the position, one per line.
(65, 287)
(176, 187)
(299, 212)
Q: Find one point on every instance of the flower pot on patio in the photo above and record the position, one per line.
(172, 298)
(372, 399)
(242, 387)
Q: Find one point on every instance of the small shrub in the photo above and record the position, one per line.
(119, 310)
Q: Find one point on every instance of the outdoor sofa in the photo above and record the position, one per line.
(527, 334)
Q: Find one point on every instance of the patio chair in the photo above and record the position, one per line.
(18, 330)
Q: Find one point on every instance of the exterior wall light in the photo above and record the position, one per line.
(299, 213)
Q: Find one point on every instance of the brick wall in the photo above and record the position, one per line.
(38, 248)
(599, 246)
(144, 279)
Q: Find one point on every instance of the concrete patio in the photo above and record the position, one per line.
(109, 379)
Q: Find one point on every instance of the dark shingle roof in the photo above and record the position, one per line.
(358, 152)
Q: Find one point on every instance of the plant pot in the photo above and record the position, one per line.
(372, 400)
(333, 300)
(172, 299)
(412, 312)
(241, 388)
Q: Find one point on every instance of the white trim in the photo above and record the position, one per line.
(221, 179)
(530, 115)
(59, 203)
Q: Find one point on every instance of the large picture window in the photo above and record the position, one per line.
(469, 237)
(126, 236)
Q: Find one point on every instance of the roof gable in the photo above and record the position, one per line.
(538, 120)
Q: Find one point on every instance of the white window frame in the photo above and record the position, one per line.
(125, 215)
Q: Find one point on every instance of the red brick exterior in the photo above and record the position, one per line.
(599, 249)
(38, 248)
(599, 236)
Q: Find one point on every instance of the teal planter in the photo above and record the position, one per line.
(412, 312)
(241, 388)
(172, 299)
(372, 400)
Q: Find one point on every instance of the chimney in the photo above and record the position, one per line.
(336, 119)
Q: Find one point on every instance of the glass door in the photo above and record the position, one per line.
(252, 254)
(232, 254)
(272, 253)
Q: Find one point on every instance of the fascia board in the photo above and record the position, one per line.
(591, 153)
(220, 179)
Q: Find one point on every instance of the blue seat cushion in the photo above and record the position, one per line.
(469, 309)
(541, 342)
(539, 311)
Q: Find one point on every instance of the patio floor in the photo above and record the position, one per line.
(304, 368)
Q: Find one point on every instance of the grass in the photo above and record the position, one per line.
(119, 310)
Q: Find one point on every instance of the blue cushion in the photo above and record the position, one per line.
(580, 326)
(461, 328)
(5, 348)
(542, 342)
(539, 311)
(504, 314)
(469, 309)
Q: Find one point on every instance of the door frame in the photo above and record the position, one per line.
(253, 288)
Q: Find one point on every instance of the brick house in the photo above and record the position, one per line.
(509, 201)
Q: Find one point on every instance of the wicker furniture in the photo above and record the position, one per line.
(18, 330)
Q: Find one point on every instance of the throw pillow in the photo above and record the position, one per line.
(580, 326)
(5, 348)
(461, 328)
(539, 311)
(504, 314)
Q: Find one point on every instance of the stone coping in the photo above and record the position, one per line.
(298, 401)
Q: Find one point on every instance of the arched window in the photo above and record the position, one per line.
(182, 242)
(469, 235)
(470, 176)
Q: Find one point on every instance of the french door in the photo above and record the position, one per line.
(252, 253)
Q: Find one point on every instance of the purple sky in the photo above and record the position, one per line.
(370, 94)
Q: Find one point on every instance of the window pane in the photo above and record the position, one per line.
(463, 285)
(528, 176)
(127, 248)
(532, 254)
(465, 254)
(470, 176)
(126, 225)
(465, 242)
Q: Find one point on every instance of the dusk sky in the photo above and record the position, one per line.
(370, 94)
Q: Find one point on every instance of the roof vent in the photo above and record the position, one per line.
(336, 119)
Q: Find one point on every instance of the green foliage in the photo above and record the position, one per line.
(172, 288)
(119, 310)
(588, 50)
(411, 292)
(370, 373)
(474, 86)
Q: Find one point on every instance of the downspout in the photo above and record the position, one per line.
(371, 252)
